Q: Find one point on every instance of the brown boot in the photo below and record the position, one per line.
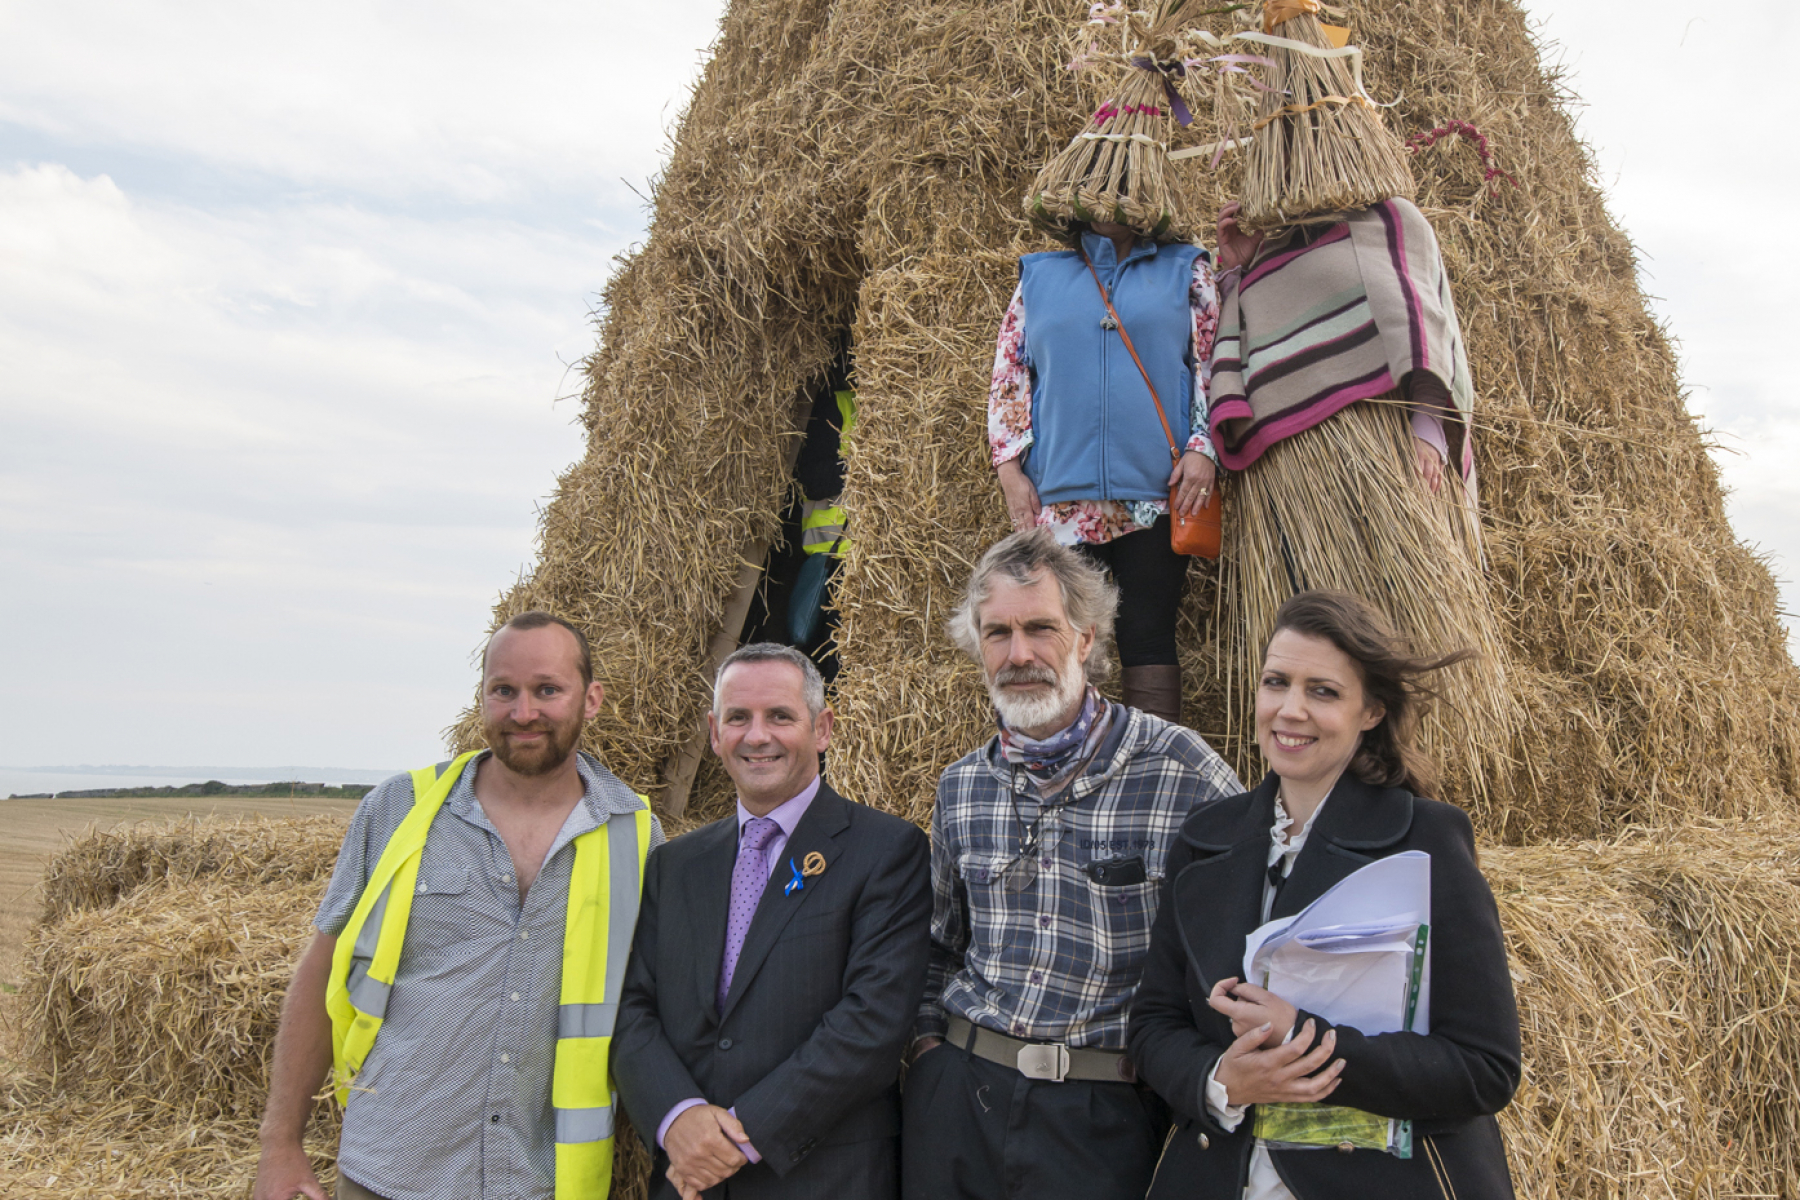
(1156, 690)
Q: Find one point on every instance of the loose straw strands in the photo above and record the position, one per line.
(1114, 170)
(1656, 977)
(1342, 506)
(1320, 145)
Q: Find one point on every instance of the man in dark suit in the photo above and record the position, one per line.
(779, 960)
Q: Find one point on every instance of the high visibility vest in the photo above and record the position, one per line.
(824, 525)
(605, 886)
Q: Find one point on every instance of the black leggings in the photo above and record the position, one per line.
(1151, 578)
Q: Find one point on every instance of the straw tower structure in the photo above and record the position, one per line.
(844, 165)
(853, 165)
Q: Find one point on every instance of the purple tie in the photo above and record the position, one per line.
(748, 879)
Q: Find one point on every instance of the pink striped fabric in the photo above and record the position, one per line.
(1327, 316)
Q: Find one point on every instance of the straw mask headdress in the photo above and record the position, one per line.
(1319, 146)
(1114, 169)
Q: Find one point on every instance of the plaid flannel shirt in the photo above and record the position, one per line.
(1059, 960)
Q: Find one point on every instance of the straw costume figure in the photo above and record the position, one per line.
(1097, 406)
(1341, 396)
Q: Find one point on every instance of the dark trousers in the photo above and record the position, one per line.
(1151, 578)
(349, 1189)
(975, 1130)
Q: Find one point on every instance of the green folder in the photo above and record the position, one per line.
(1322, 1126)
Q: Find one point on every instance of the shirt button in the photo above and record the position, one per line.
(421, 889)
(506, 1058)
(515, 995)
(1045, 861)
(506, 879)
(724, 1043)
(1044, 921)
(495, 1118)
(524, 935)
(1037, 977)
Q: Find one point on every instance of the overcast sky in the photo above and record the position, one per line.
(289, 296)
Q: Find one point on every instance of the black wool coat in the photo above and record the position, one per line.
(808, 1044)
(1448, 1083)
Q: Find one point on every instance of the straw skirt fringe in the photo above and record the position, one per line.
(1342, 506)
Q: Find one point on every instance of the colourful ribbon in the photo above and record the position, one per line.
(1277, 11)
(1170, 72)
(797, 882)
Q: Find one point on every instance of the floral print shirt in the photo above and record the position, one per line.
(1009, 418)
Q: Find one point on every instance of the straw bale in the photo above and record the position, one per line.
(1655, 976)
(1658, 998)
(848, 165)
(170, 996)
(99, 868)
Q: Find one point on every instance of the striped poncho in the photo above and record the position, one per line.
(1319, 323)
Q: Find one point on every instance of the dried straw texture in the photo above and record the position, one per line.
(1661, 1013)
(1312, 152)
(1654, 974)
(152, 991)
(1116, 169)
(103, 866)
(850, 164)
(1341, 506)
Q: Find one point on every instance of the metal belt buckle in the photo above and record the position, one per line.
(1044, 1062)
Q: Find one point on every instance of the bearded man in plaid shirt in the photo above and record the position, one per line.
(1047, 851)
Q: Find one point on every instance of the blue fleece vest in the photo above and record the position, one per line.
(1095, 434)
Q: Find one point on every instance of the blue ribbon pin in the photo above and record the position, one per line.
(797, 882)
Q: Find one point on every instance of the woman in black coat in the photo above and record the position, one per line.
(1336, 708)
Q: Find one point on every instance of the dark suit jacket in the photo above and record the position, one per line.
(1449, 1083)
(822, 1001)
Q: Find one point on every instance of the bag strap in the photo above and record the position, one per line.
(1174, 450)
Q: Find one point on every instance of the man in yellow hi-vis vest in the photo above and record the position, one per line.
(471, 948)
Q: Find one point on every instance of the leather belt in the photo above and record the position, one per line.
(1051, 1061)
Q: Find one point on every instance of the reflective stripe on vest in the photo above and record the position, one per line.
(605, 884)
(822, 526)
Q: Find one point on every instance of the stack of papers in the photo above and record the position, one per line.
(1350, 956)
(1360, 955)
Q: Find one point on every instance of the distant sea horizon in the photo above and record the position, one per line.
(24, 781)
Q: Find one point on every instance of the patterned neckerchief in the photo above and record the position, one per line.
(1049, 760)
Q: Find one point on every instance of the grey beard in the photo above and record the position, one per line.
(1023, 713)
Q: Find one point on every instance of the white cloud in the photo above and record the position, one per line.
(454, 100)
(286, 298)
(1685, 113)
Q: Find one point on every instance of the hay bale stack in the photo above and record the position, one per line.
(169, 998)
(1661, 1012)
(152, 992)
(102, 867)
(853, 166)
(1655, 977)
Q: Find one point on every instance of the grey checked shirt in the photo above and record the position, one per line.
(1060, 960)
(455, 1098)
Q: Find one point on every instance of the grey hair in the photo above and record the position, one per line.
(1089, 599)
(812, 684)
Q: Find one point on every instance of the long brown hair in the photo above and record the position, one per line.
(1389, 755)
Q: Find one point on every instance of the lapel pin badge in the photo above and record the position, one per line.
(815, 865)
